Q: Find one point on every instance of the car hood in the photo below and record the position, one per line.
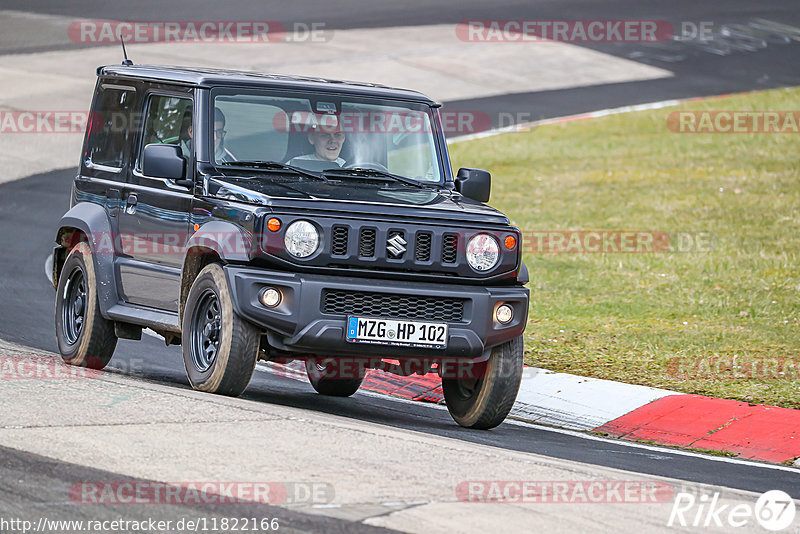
(363, 197)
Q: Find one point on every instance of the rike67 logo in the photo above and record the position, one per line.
(774, 510)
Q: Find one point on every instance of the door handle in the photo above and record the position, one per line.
(130, 204)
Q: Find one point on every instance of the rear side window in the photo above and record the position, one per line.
(169, 121)
(108, 127)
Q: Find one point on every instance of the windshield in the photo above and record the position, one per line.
(320, 132)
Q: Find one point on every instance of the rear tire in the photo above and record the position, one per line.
(331, 386)
(85, 337)
(485, 402)
(220, 348)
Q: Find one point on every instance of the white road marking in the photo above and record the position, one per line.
(430, 59)
(577, 402)
(514, 420)
(582, 434)
(521, 421)
(526, 126)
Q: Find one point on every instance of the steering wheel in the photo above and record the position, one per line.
(367, 165)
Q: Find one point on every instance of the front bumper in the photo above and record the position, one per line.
(300, 324)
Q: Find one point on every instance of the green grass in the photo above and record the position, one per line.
(724, 321)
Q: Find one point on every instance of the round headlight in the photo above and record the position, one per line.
(301, 239)
(482, 252)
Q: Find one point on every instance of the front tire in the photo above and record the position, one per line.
(85, 337)
(331, 386)
(220, 348)
(485, 401)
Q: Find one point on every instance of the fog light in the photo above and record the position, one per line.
(504, 314)
(270, 297)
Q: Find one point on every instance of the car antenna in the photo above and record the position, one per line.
(127, 62)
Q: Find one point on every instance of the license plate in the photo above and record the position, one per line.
(394, 332)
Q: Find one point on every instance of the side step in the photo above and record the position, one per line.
(158, 320)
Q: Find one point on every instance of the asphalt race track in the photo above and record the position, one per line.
(31, 207)
(697, 71)
(40, 483)
(28, 320)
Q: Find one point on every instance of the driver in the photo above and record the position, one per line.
(327, 142)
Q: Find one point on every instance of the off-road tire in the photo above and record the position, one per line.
(485, 402)
(85, 337)
(235, 350)
(333, 387)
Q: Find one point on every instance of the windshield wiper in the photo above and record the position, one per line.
(359, 171)
(275, 165)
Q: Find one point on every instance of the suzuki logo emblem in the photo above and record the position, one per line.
(396, 245)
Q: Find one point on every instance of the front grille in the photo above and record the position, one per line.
(450, 248)
(339, 241)
(366, 243)
(343, 302)
(422, 250)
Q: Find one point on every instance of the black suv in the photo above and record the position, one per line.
(250, 216)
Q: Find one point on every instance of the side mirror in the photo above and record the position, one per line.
(165, 161)
(474, 183)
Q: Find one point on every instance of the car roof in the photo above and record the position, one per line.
(207, 77)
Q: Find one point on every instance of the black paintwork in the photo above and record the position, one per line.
(130, 218)
(208, 78)
(304, 327)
